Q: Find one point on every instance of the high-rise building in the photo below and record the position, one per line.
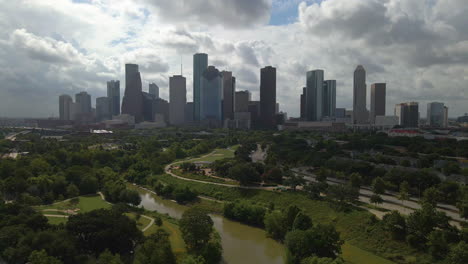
(65, 107)
(113, 93)
(268, 96)
(132, 103)
(436, 114)
(149, 107)
(360, 114)
(83, 101)
(200, 64)
(303, 103)
(314, 95)
(242, 101)
(329, 98)
(408, 114)
(229, 87)
(103, 108)
(211, 95)
(153, 89)
(189, 112)
(377, 106)
(162, 109)
(446, 119)
(177, 99)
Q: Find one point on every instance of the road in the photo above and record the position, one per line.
(391, 202)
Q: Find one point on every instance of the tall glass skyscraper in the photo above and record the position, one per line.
(200, 64)
(377, 106)
(329, 98)
(211, 94)
(314, 95)
(268, 96)
(132, 103)
(177, 99)
(113, 93)
(360, 114)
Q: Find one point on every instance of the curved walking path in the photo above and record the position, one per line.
(103, 198)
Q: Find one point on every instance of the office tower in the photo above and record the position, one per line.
(113, 93)
(268, 96)
(377, 106)
(229, 88)
(177, 99)
(303, 103)
(65, 106)
(436, 114)
(132, 103)
(162, 109)
(189, 112)
(148, 107)
(408, 114)
(329, 98)
(314, 95)
(211, 94)
(340, 112)
(360, 114)
(83, 101)
(445, 117)
(103, 108)
(242, 101)
(153, 89)
(254, 110)
(200, 64)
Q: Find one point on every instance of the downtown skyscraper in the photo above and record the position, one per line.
(113, 93)
(177, 99)
(200, 64)
(314, 95)
(360, 114)
(132, 103)
(66, 107)
(329, 98)
(377, 107)
(211, 96)
(268, 96)
(229, 86)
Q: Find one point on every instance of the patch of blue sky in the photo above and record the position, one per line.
(285, 12)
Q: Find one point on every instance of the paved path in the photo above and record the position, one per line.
(150, 223)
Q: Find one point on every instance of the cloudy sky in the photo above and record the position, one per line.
(51, 47)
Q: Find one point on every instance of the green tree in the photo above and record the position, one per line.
(431, 196)
(89, 185)
(403, 195)
(376, 199)
(355, 180)
(458, 254)
(106, 257)
(290, 215)
(342, 193)
(193, 260)
(302, 222)
(103, 229)
(155, 250)
(378, 186)
(320, 241)
(317, 260)
(196, 227)
(395, 223)
(274, 225)
(72, 191)
(294, 180)
(437, 244)
(41, 257)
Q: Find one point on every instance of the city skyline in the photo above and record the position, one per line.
(45, 63)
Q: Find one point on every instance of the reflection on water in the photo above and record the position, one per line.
(242, 244)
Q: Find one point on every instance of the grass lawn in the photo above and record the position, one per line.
(355, 255)
(85, 204)
(199, 177)
(56, 220)
(216, 155)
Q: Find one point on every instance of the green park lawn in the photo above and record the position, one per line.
(85, 204)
